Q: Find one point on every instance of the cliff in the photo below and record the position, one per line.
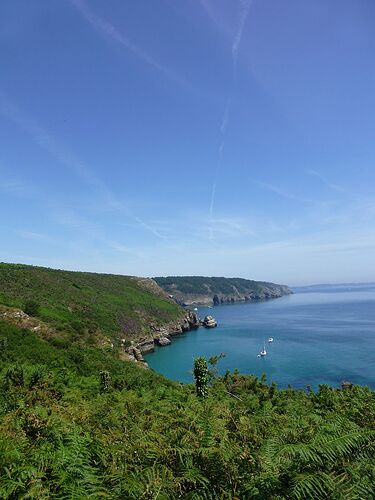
(128, 314)
(194, 290)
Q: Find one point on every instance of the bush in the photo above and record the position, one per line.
(201, 377)
(32, 308)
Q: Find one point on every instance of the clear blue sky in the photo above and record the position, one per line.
(211, 137)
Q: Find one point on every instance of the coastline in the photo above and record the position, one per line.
(305, 338)
(162, 336)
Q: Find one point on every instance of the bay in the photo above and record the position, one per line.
(319, 337)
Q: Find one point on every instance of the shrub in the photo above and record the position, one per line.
(32, 308)
(104, 381)
(201, 377)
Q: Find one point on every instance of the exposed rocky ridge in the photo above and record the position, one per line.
(19, 318)
(160, 335)
(150, 285)
(195, 290)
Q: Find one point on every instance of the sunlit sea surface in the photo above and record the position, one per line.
(319, 337)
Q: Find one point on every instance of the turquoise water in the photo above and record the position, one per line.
(318, 338)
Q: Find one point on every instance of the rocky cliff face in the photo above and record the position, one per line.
(161, 335)
(267, 292)
(197, 290)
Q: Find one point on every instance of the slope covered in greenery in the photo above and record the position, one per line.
(78, 422)
(86, 303)
(201, 289)
(65, 434)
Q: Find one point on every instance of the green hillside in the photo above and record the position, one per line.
(195, 289)
(78, 423)
(86, 303)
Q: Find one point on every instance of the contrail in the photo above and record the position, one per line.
(246, 4)
(45, 140)
(322, 178)
(107, 29)
(213, 193)
(225, 118)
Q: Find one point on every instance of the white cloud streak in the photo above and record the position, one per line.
(211, 211)
(32, 235)
(108, 29)
(324, 180)
(45, 140)
(13, 186)
(245, 8)
(284, 194)
(245, 4)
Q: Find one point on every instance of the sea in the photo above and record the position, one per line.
(322, 335)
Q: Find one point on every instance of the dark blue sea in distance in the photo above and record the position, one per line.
(322, 335)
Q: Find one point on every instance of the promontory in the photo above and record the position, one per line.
(195, 290)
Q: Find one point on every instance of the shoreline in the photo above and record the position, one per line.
(191, 321)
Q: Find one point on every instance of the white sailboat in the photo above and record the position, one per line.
(263, 352)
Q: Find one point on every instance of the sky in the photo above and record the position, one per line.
(189, 137)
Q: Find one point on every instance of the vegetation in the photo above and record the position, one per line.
(85, 303)
(32, 308)
(184, 286)
(201, 377)
(77, 422)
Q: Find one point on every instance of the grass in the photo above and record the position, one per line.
(86, 302)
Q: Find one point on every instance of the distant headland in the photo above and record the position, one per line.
(201, 290)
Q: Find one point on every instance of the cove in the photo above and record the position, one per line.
(319, 337)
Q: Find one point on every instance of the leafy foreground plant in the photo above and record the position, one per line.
(201, 377)
(78, 423)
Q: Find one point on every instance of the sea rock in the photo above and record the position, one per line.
(163, 332)
(185, 326)
(137, 354)
(175, 330)
(147, 346)
(192, 319)
(163, 341)
(209, 322)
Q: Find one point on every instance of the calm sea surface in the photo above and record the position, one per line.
(319, 337)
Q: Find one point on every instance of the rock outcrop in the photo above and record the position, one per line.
(147, 346)
(163, 341)
(19, 318)
(160, 335)
(209, 322)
